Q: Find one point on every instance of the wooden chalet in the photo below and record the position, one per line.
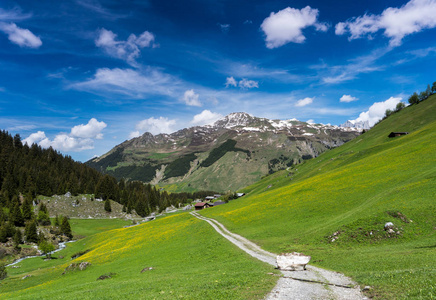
(201, 205)
(395, 134)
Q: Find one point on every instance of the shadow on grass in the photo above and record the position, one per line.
(426, 247)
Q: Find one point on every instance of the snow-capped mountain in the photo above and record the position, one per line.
(233, 152)
(356, 124)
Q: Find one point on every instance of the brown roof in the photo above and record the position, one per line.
(200, 204)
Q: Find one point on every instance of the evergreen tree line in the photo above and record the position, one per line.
(26, 172)
(416, 98)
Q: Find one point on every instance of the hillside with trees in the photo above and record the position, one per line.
(27, 173)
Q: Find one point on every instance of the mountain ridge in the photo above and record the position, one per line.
(254, 146)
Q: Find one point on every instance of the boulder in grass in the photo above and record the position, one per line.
(146, 269)
(292, 261)
(76, 266)
(106, 276)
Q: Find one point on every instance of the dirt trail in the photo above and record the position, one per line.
(314, 283)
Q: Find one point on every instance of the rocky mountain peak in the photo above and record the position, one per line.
(235, 120)
(356, 124)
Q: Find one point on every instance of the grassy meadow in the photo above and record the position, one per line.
(189, 260)
(334, 207)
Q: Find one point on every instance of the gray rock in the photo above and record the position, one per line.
(146, 269)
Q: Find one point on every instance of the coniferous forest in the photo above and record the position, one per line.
(26, 172)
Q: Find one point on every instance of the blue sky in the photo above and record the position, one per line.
(83, 76)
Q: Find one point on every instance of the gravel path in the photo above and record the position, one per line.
(313, 283)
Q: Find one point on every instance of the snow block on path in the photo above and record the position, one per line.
(292, 261)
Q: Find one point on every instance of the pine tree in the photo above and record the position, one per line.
(10, 229)
(3, 234)
(18, 239)
(56, 221)
(66, 228)
(43, 208)
(107, 206)
(3, 272)
(2, 216)
(17, 216)
(31, 233)
(27, 209)
(17, 141)
(43, 218)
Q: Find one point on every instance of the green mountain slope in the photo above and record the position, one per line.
(334, 207)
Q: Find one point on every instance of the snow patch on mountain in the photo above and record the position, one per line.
(356, 124)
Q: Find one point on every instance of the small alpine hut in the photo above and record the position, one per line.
(201, 205)
(395, 134)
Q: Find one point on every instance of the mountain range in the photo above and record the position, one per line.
(233, 152)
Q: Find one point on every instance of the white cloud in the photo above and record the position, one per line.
(21, 128)
(191, 98)
(92, 130)
(14, 14)
(128, 82)
(134, 134)
(356, 66)
(248, 84)
(311, 121)
(206, 117)
(154, 126)
(61, 142)
(423, 52)
(34, 138)
(334, 111)
(95, 6)
(377, 111)
(348, 98)
(224, 27)
(68, 143)
(230, 81)
(81, 137)
(286, 26)
(243, 83)
(413, 17)
(304, 102)
(127, 50)
(21, 37)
